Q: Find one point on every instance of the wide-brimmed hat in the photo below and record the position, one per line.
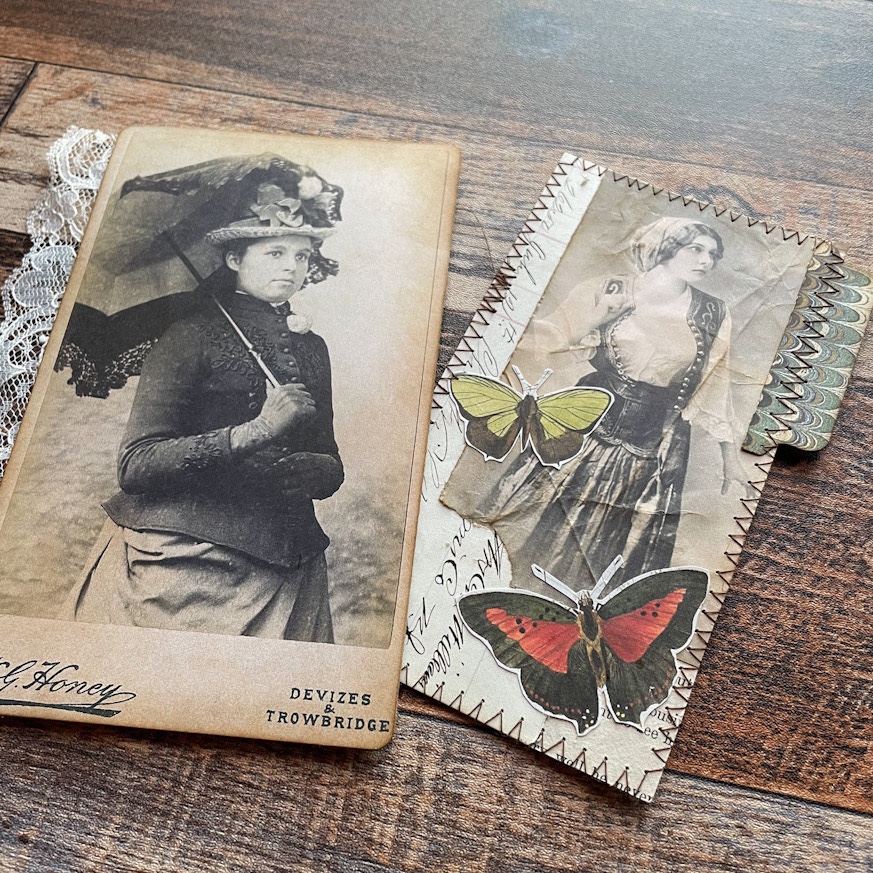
(311, 210)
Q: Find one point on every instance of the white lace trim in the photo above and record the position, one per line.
(33, 292)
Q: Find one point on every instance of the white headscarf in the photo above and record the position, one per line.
(650, 241)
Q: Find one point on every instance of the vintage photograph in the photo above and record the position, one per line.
(228, 442)
(677, 316)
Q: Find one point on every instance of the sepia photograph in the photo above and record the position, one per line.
(587, 490)
(226, 439)
(676, 316)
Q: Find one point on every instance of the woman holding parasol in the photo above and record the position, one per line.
(230, 439)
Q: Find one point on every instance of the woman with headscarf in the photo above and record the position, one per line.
(654, 341)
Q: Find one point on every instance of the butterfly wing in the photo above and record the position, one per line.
(563, 419)
(490, 409)
(540, 640)
(642, 625)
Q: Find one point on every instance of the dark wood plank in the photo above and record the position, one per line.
(789, 674)
(766, 666)
(731, 84)
(501, 175)
(12, 249)
(441, 796)
(13, 76)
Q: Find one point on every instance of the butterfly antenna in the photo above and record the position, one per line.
(554, 582)
(606, 577)
(546, 373)
(526, 387)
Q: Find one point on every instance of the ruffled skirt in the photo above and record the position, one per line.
(167, 580)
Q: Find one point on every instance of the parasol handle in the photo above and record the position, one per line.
(168, 239)
(268, 373)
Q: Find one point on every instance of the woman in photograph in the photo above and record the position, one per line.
(214, 527)
(654, 340)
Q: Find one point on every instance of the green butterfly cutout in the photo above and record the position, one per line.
(554, 425)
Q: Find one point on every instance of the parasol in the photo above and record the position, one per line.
(151, 263)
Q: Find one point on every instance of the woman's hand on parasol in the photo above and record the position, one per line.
(285, 408)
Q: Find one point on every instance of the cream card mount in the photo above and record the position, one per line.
(595, 460)
(197, 532)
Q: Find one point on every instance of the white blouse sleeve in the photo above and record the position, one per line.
(711, 405)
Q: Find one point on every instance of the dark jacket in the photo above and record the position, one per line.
(176, 468)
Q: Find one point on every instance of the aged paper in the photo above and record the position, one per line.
(585, 475)
(209, 514)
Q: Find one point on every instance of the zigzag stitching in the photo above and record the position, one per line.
(646, 774)
(605, 765)
(551, 750)
(517, 728)
(626, 776)
(537, 744)
(581, 757)
(662, 754)
(497, 715)
(476, 711)
(718, 211)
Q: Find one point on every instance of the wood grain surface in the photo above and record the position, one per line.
(763, 107)
(442, 796)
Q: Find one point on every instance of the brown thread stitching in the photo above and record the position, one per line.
(646, 774)
(580, 761)
(476, 711)
(559, 755)
(497, 715)
(537, 744)
(516, 727)
(626, 776)
(662, 753)
(605, 765)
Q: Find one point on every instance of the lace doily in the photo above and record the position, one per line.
(32, 294)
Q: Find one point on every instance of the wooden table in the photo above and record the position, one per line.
(759, 106)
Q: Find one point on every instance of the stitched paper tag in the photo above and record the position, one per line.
(569, 568)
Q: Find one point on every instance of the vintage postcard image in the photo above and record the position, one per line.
(209, 515)
(586, 493)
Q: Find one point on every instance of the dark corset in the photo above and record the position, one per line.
(640, 415)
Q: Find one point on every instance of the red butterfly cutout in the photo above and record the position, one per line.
(625, 643)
